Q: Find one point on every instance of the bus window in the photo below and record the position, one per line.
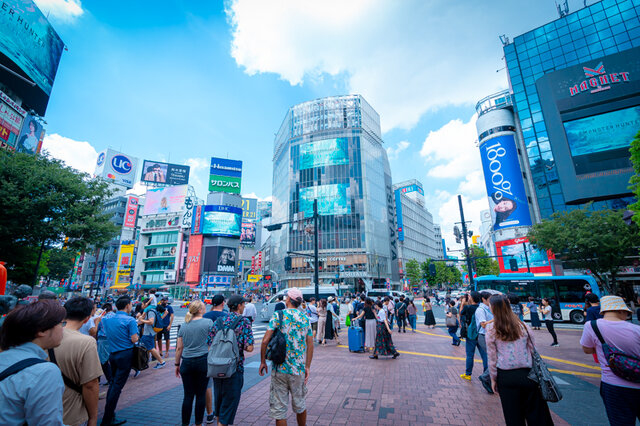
(547, 289)
(522, 290)
(571, 291)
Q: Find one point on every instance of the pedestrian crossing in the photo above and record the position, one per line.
(259, 329)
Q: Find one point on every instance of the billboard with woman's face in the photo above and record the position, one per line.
(505, 186)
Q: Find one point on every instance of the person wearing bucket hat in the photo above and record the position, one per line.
(621, 397)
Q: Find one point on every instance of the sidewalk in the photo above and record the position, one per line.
(421, 387)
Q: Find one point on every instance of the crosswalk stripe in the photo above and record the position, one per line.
(258, 331)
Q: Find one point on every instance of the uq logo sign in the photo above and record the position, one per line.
(598, 80)
(121, 164)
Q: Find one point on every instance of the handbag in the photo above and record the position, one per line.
(451, 321)
(463, 329)
(140, 359)
(540, 374)
(347, 321)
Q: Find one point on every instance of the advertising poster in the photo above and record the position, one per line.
(248, 235)
(514, 249)
(192, 274)
(503, 179)
(219, 259)
(411, 188)
(332, 199)
(601, 142)
(249, 210)
(327, 152)
(231, 185)
(222, 221)
(159, 172)
(131, 213)
(399, 213)
(117, 167)
(27, 38)
(30, 137)
(123, 276)
(165, 200)
(11, 119)
(196, 224)
(226, 167)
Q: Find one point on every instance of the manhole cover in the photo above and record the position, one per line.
(359, 404)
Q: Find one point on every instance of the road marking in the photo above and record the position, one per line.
(574, 373)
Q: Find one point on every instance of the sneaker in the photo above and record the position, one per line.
(211, 419)
(136, 374)
(159, 365)
(555, 344)
(116, 421)
(465, 376)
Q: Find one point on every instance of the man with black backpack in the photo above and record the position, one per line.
(471, 341)
(151, 321)
(401, 310)
(291, 356)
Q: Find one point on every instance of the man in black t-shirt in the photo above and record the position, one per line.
(280, 306)
(470, 344)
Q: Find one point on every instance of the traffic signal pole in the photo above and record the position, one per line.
(316, 277)
(466, 241)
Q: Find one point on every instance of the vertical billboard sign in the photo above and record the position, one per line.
(225, 175)
(31, 135)
(159, 172)
(117, 167)
(123, 276)
(398, 194)
(196, 225)
(249, 210)
(11, 119)
(131, 213)
(248, 235)
(514, 249)
(192, 275)
(505, 186)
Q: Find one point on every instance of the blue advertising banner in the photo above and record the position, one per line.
(399, 213)
(411, 188)
(27, 38)
(332, 199)
(225, 167)
(327, 152)
(222, 221)
(503, 179)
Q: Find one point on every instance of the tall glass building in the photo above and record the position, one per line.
(331, 150)
(547, 66)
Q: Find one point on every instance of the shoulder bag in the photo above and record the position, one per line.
(540, 374)
(140, 359)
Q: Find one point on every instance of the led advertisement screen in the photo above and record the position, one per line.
(327, 152)
(30, 138)
(165, 200)
(514, 249)
(332, 199)
(601, 142)
(503, 179)
(222, 221)
(248, 235)
(27, 39)
(159, 172)
(192, 274)
(219, 259)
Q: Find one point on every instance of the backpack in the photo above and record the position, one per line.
(336, 308)
(472, 328)
(19, 366)
(401, 308)
(157, 325)
(277, 347)
(623, 365)
(224, 354)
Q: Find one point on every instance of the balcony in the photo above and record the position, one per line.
(498, 100)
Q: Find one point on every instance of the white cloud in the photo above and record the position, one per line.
(450, 151)
(81, 156)
(404, 57)
(63, 10)
(393, 153)
(199, 175)
(253, 195)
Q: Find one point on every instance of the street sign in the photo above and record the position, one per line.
(254, 278)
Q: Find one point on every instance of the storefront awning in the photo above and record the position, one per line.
(120, 286)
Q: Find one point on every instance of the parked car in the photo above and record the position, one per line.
(307, 293)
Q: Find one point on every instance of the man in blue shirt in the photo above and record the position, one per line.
(31, 387)
(122, 332)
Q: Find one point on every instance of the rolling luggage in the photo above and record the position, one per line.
(356, 339)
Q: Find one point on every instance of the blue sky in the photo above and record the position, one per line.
(182, 81)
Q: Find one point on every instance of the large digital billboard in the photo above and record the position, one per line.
(327, 152)
(165, 200)
(248, 235)
(29, 41)
(159, 172)
(219, 259)
(221, 221)
(332, 199)
(514, 249)
(117, 167)
(30, 138)
(601, 142)
(192, 274)
(505, 186)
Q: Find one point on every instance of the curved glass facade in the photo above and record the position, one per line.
(330, 149)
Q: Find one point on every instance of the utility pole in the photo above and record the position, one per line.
(466, 242)
(315, 248)
(526, 256)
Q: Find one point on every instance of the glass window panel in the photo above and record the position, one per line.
(611, 11)
(590, 30)
(544, 145)
(599, 17)
(611, 50)
(625, 45)
(621, 38)
(617, 19)
(632, 23)
(617, 29)
(625, 5)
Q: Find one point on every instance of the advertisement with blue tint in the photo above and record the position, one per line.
(399, 213)
(31, 136)
(601, 142)
(514, 249)
(221, 221)
(225, 167)
(332, 199)
(503, 179)
(27, 39)
(327, 152)
(411, 188)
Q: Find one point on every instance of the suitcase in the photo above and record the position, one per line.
(356, 339)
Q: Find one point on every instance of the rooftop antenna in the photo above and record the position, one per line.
(504, 39)
(563, 8)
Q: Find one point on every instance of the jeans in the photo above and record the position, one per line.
(470, 346)
(391, 321)
(453, 332)
(401, 322)
(227, 394)
(622, 404)
(194, 383)
(120, 367)
(412, 321)
(549, 324)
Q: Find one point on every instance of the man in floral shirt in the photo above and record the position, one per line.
(227, 391)
(292, 375)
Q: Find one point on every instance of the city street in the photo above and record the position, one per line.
(421, 387)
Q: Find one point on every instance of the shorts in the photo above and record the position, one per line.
(314, 326)
(164, 332)
(282, 385)
(148, 341)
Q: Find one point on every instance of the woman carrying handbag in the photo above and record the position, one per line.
(510, 349)
(452, 323)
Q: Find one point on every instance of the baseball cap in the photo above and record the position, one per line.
(217, 300)
(294, 294)
(613, 303)
(235, 300)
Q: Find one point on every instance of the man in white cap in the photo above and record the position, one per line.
(291, 376)
(621, 397)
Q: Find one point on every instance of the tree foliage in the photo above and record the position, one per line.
(482, 265)
(60, 263)
(445, 275)
(44, 201)
(635, 179)
(414, 272)
(597, 240)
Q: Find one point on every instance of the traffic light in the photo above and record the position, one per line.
(267, 277)
(432, 268)
(457, 234)
(513, 264)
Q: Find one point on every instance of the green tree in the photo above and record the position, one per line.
(635, 179)
(44, 201)
(597, 240)
(60, 263)
(414, 272)
(482, 265)
(445, 275)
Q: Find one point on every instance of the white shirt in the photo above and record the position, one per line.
(250, 311)
(382, 315)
